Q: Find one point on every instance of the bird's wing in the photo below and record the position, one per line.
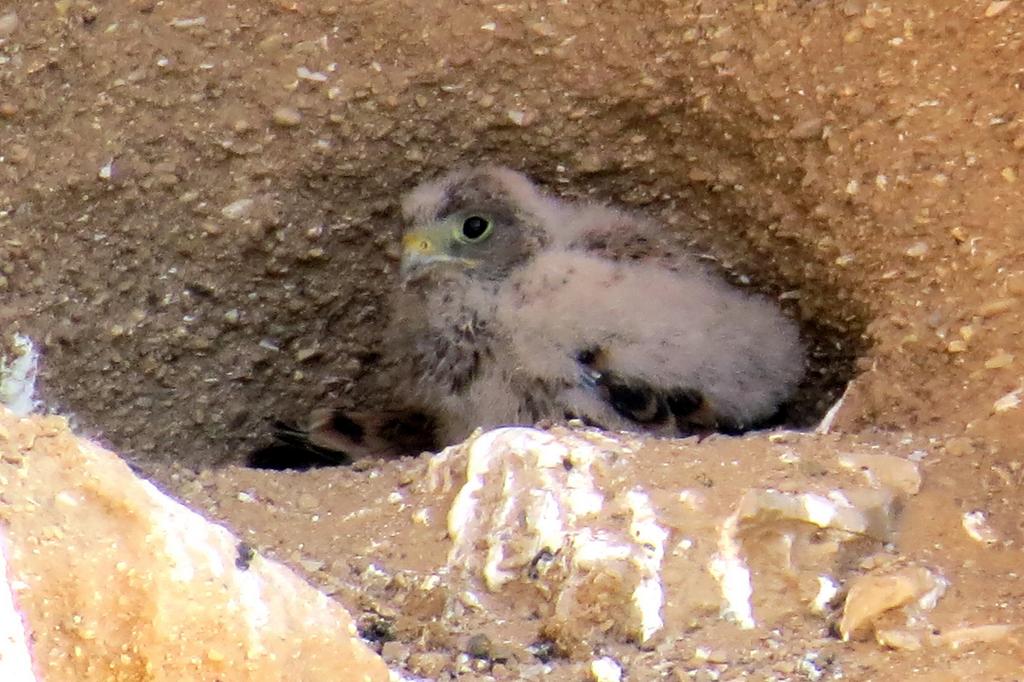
(639, 346)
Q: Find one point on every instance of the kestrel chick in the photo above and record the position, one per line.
(507, 313)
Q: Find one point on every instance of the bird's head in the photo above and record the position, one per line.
(471, 223)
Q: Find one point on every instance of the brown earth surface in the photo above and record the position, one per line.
(198, 220)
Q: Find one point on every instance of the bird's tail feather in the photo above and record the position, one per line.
(334, 437)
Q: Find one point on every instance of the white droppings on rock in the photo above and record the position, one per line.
(830, 417)
(605, 669)
(106, 171)
(1010, 401)
(649, 595)
(18, 377)
(977, 527)
(818, 510)
(827, 591)
(733, 576)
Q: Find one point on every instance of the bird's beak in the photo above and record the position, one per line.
(417, 249)
(424, 247)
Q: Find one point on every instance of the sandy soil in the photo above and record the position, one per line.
(197, 221)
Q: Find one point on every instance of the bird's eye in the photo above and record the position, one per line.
(475, 228)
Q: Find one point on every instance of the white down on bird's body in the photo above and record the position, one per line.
(668, 329)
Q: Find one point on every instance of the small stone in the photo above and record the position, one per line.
(898, 639)
(996, 307)
(287, 117)
(520, 118)
(852, 8)
(479, 646)
(18, 154)
(807, 129)
(543, 29)
(8, 109)
(892, 472)
(1009, 174)
(978, 529)
(189, 22)
(719, 57)
(237, 209)
(999, 360)
(956, 346)
(430, 664)
(395, 652)
(870, 596)
(304, 354)
(1008, 402)
(974, 634)
(308, 502)
(917, 250)
(605, 669)
(232, 316)
(706, 675)
(996, 8)
(959, 446)
(1015, 284)
(8, 24)
(305, 74)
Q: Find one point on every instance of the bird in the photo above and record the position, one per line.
(511, 308)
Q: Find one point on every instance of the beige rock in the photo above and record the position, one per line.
(544, 516)
(977, 634)
(110, 579)
(873, 595)
(996, 307)
(886, 470)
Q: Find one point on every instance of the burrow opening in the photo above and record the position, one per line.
(169, 349)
